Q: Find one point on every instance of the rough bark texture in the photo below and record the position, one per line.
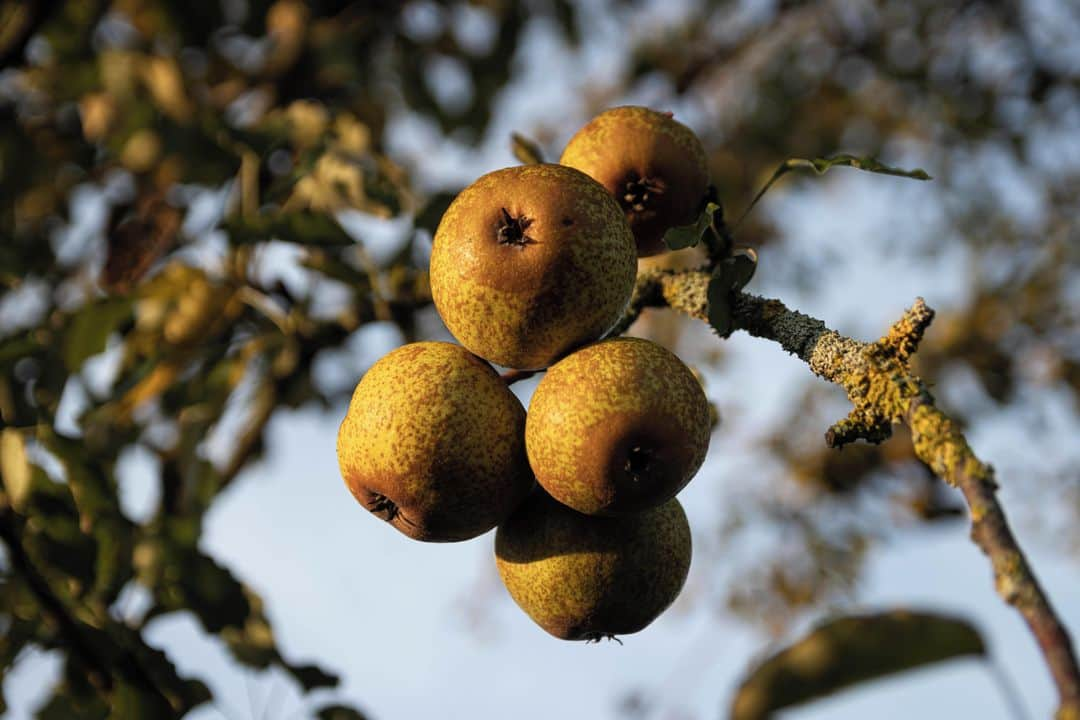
(878, 380)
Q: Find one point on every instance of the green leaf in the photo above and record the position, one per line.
(211, 592)
(525, 150)
(301, 227)
(718, 295)
(687, 236)
(336, 268)
(743, 264)
(90, 329)
(18, 346)
(151, 678)
(852, 650)
(131, 702)
(823, 165)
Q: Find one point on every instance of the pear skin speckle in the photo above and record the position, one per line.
(531, 262)
(433, 443)
(582, 577)
(616, 427)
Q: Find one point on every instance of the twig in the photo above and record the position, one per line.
(883, 390)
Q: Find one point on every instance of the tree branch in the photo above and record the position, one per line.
(878, 380)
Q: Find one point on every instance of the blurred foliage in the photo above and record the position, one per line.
(143, 108)
(154, 154)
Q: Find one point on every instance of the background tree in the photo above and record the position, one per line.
(156, 156)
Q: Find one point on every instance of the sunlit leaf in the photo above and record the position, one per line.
(823, 165)
(851, 650)
(525, 150)
(15, 468)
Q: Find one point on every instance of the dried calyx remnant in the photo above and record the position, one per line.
(637, 461)
(382, 504)
(639, 191)
(511, 230)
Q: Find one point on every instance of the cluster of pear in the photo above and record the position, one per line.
(530, 267)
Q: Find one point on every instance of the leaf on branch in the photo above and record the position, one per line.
(823, 165)
(90, 329)
(252, 643)
(730, 275)
(209, 590)
(525, 150)
(743, 265)
(136, 703)
(851, 650)
(301, 227)
(688, 236)
(718, 295)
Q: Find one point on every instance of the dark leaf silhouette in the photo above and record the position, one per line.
(851, 650)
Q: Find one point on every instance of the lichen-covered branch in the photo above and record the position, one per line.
(878, 380)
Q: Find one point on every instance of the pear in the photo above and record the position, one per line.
(433, 443)
(619, 426)
(655, 167)
(583, 577)
(531, 262)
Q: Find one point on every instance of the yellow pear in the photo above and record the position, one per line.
(583, 577)
(531, 262)
(433, 443)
